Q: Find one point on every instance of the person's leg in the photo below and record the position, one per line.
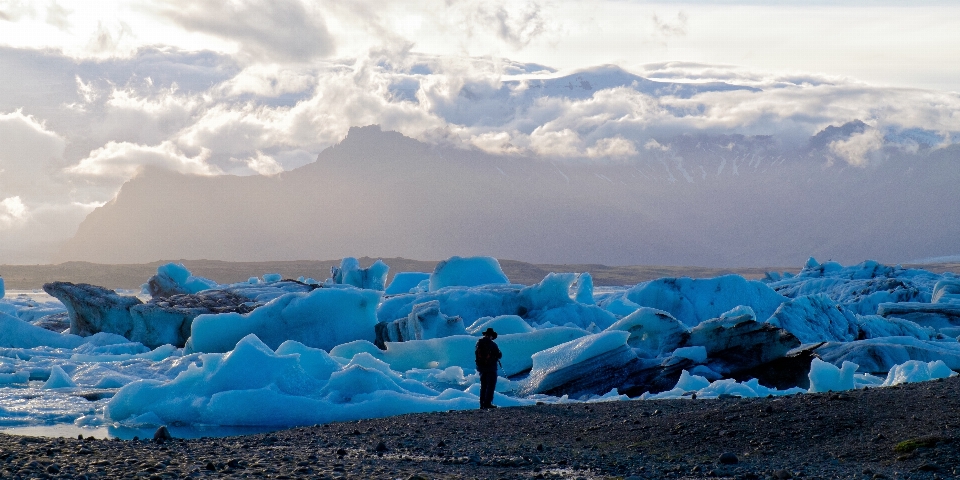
(488, 384)
(484, 387)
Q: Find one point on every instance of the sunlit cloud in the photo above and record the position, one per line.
(122, 160)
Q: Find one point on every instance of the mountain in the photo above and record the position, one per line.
(724, 200)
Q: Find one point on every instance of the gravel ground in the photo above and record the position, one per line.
(908, 431)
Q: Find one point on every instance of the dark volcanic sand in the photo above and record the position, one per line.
(836, 435)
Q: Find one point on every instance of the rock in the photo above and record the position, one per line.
(381, 447)
(162, 434)
(94, 309)
(729, 458)
(736, 341)
(782, 474)
(425, 321)
(783, 373)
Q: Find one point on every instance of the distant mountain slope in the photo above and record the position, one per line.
(711, 201)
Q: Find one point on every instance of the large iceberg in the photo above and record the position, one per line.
(322, 318)
(694, 300)
(816, 318)
(467, 272)
(547, 301)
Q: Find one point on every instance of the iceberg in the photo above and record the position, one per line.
(913, 371)
(322, 318)
(736, 341)
(694, 300)
(588, 364)
(424, 322)
(467, 272)
(373, 277)
(174, 279)
(653, 331)
(816, 318)
(94, 309)
(879, 355)
(547, 301)
(406, 282)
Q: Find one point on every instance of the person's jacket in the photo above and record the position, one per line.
(487, 353)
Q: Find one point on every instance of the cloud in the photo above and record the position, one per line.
(613, 147)
(517, 27)
(79, 128)
(858, 149)
(665, 28)
(58, 16)
(13, 10)
(263, 164)
(12, 212)
(28, 154)
(270, 31)
(122, 160)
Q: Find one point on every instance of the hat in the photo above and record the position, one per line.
(489, 332)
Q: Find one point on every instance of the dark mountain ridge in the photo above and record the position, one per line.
(702, 200)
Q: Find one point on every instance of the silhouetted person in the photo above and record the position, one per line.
(488, 357)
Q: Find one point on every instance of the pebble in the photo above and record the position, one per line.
(729, 458)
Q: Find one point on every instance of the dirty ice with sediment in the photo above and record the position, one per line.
(210, 359)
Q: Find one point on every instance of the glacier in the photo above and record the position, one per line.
(273, 352)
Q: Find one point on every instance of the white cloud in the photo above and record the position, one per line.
(263, 164)
(858, 149)
(12, 212)
(122, 160)
(58, 16)
(13, 10)
(613, 147)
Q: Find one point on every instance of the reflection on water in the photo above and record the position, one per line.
(126, 433)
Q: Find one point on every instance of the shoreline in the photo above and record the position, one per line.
(905, 431)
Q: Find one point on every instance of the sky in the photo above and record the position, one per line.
(92, 91)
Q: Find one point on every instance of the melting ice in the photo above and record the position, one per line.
(270, 352)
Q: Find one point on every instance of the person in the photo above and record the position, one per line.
(488, 357)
